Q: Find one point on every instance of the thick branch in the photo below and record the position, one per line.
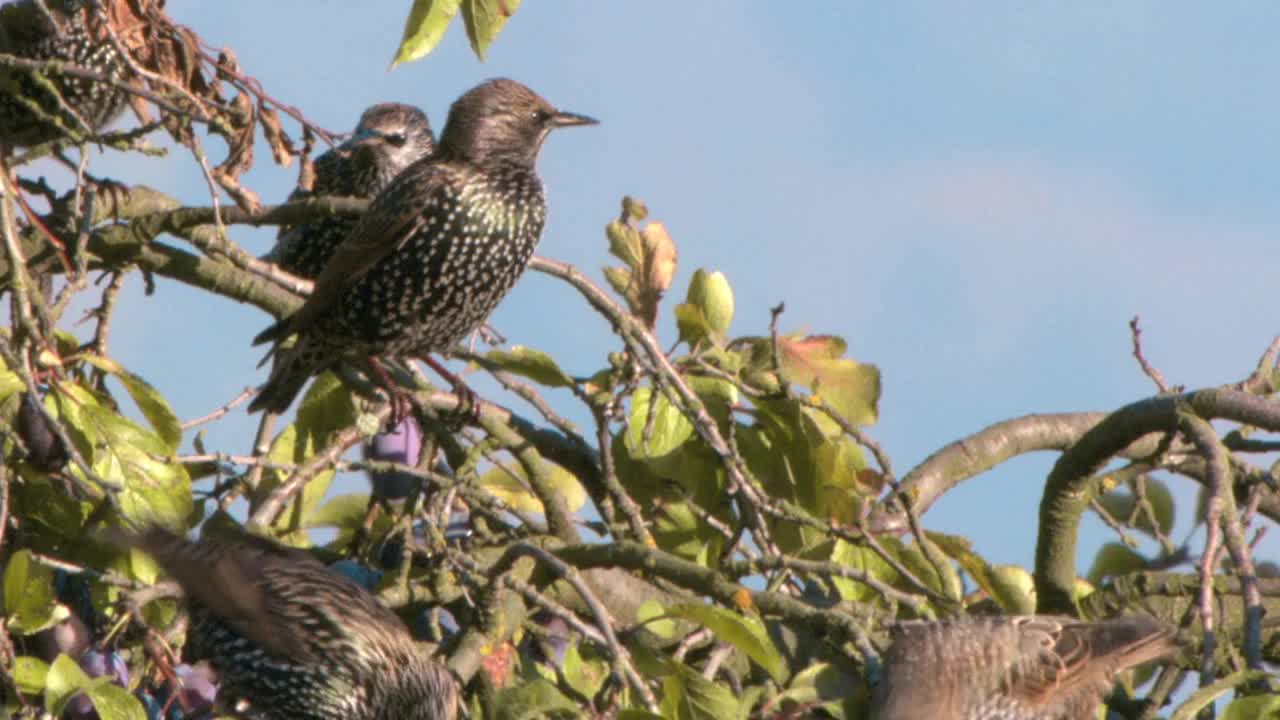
(1069, 486)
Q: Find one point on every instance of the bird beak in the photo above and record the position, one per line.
(568, 119)
(362, 138)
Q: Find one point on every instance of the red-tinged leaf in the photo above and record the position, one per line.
(818, 362)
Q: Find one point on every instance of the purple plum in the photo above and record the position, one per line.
(402, 445)
(198, 693)
(69, 637)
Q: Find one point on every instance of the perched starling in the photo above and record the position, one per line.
(294, 639)
(438, 249)
(65, 31)
(1011, 668)
(388, 138)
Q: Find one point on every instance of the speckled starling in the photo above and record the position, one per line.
(1011, 668)
(388, 138)
(294, 639)
(66, 31)
(438, 249)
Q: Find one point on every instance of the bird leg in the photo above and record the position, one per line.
(468, 401)
(401, 400)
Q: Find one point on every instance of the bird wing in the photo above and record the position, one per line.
(1066, 656)
(230, 576)
(393, 218)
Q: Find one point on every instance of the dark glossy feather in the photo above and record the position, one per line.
(294, 639)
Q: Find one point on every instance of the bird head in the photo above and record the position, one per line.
(502, 120)
(389, 137)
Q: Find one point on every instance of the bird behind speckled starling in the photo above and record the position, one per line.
(1011, 668)
(294, 639)
(69, 32)
(388, 138)
(438, 248)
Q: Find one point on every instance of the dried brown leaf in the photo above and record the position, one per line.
(282, 149)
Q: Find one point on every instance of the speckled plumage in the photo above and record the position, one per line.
(438, 249)
(294, 639)
(388, 138)
(1011, 668)
(68, 32)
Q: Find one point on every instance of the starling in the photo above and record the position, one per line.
(1011, 668)
(438, 248)
(293, 638)
(387, 139)
(65, 31)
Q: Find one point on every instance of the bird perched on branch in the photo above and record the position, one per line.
(438, 248)
(1011, 668)
(388, 138)
(37, 108)
(294, 639)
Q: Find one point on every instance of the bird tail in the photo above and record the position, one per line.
(278, 393)
(277, 331)
(177, 555)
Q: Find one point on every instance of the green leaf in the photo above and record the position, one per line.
(532, 700)
(29, 674)
(1115, 559)
(484, 20)
(744, 632)
(533, 364)
(65, 679)
(10, 383)
(114, 702)
(586, 677)
(636, 714)
(652, 615)
(686, 695)
(655, 430)
(625, 244)
(1257, 707)
(29, 597)
(691, 324)
(154, 491)
(1120, 505)
(423, 29)
(344, 511)
(155, 408)
(861, 558)
(326, 408)
(620, 280)
(824, 685)
(1014, 589)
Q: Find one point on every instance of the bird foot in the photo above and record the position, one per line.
(468, 409)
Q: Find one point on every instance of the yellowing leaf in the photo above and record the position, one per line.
(511, 486)
(818, 362)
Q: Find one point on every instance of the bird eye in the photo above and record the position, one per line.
(397, 139)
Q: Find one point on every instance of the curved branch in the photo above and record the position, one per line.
(1069, 486)
(985, 449)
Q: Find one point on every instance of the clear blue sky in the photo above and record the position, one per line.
(977, 196)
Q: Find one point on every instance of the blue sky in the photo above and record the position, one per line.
(976, 196)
